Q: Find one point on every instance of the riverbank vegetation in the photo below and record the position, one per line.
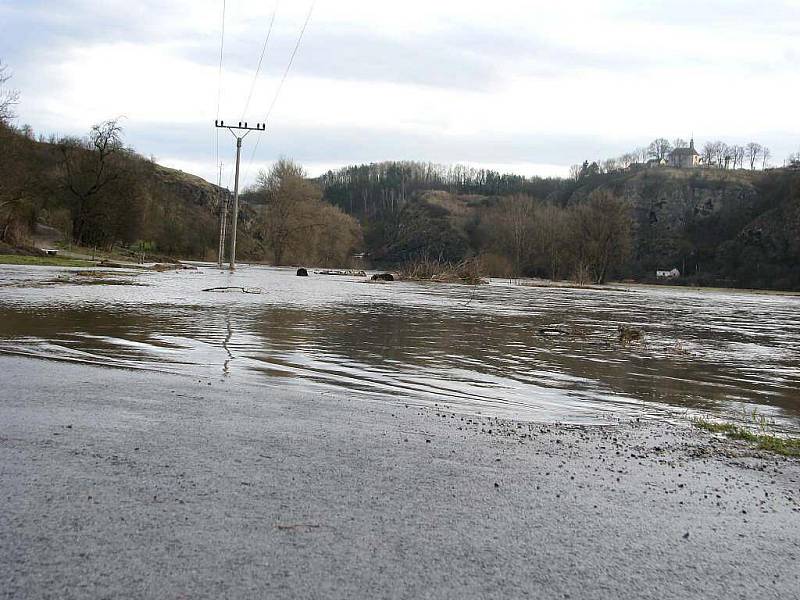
(469, 271)
(785, 446)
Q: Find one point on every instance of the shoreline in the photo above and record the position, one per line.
(75, 260)
(620, 286)
(123, 483)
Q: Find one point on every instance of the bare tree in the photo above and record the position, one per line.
(766, 154)
(627, 159)
(737, 153)
(575, 172)
(717, 153)
(551, 233)
(8, 97)
(514, 221)
(709, 154)
(659, 148)
(88, 167)
(292, 213)
(609, 165)
(602, 234)
(680, 143)
(752, 152)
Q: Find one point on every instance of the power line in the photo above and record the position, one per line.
(219, 80)
(283, 80)
(291, 60)
(221, 54)
(260, 60)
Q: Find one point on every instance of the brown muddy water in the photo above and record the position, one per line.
(544, 354)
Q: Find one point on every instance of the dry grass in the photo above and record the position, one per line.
(467, 271)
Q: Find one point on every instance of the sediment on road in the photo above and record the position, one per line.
(123, 483)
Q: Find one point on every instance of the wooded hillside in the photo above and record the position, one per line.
(97, 192)
(717, 226)
(727, 227)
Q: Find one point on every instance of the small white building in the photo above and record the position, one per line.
(685, 158)
(656, 162)
(668, 274)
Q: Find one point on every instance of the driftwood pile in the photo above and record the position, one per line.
(242, 290)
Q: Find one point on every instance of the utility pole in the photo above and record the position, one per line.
(223, 217)
(235, 217)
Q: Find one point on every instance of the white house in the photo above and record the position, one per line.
(668, 274)
(685, 158)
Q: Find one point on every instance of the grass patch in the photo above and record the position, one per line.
(467, 271)
(43, 261)
(764, 441)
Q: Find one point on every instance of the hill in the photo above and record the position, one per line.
(718, 227)
(97, 193)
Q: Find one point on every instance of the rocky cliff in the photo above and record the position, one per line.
(716, 225)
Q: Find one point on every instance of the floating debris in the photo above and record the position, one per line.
(346, 272)
(630, 335)
(383, 277)
(552, 331)
(241, 290)
(159, 267)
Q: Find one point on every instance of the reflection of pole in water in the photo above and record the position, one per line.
(223, 217)
(225, 344)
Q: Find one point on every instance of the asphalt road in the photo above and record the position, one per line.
(125, 484)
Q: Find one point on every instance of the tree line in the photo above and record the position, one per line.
(714, 154)
(716, 229)
(369, 190)
(586, 242)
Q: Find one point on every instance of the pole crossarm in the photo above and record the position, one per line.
(241, 126)
(235, 217)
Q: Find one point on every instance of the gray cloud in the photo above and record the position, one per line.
(459, 55)
(363, 56)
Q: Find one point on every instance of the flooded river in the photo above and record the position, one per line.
(532, 353)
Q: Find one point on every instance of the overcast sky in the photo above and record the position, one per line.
(524, 86)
